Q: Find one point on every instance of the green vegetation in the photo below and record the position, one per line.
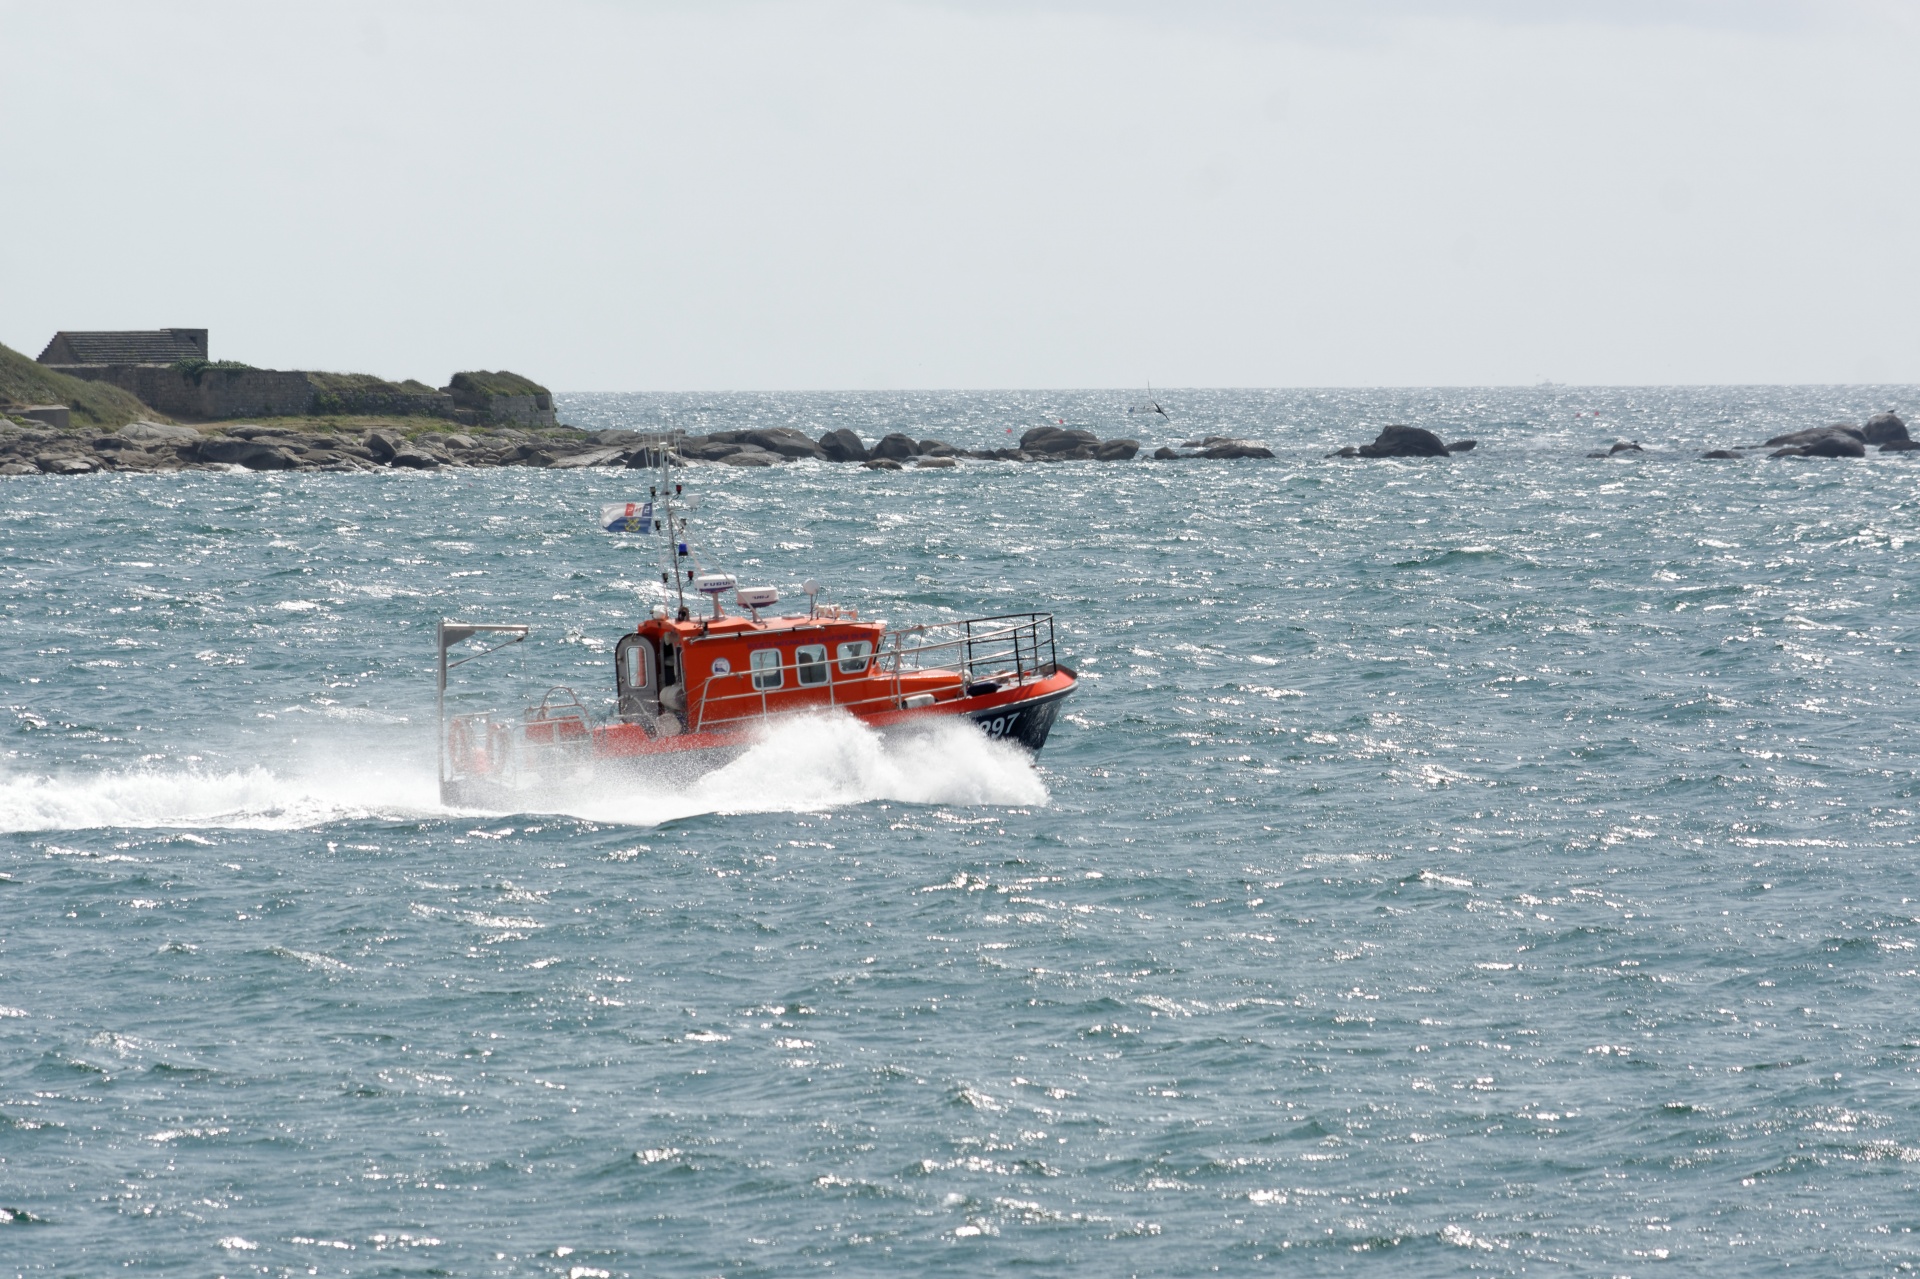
(194, 370)
(337, 393)
(471, 389)
(95, 404)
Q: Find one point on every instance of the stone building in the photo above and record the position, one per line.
(135, 346)
(169, 370)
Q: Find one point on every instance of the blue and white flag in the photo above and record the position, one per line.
(627, 517)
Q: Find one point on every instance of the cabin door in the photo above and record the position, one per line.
(634, 677)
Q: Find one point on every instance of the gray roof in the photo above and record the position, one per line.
(133, 346)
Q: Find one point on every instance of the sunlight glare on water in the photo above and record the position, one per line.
(1492, 865)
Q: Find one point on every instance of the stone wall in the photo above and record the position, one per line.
(520, 410)
(215, 394)
(211, 393)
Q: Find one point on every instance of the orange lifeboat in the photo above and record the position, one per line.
(698, 688)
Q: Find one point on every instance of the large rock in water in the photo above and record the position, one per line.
(1832, 444)
(843, 446)
(1797, 439)
(1404, 441)
(1053, 439)
(255, 457)
(1232, 450)
(1884, 428)
(413, 457)
(786, 442)
(895, 447)
(1116, 450)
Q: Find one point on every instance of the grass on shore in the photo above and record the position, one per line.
(92, 404)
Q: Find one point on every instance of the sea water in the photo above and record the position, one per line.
(1489, 865)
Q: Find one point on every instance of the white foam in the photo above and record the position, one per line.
(815, 762)
(799, 765)
(254, 798)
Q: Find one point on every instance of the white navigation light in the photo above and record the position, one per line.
(757, 596)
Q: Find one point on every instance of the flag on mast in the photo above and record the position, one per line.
(627, 517)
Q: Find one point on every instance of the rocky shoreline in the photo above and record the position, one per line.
(149, 447)
(1886, 431)
(32, 448)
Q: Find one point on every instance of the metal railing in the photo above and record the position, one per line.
(978, 655)
(555, 735)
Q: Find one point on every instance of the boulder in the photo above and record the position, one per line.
(751, 456)
(1884, 428)
(593, 457)
(412, 458)
(895, 447)
(1347, 451)
(1900, 446)
(18, 468)
(843, 445)
(519, 455)
(1164, 454)
(1402, 441)
(1722, 455)
(1116, 450)
(881, 464)
(1797, 439)
(785, 442)
(383, 445)
(1054, 439)
(159, 433)
(1463, 446)
(1625, 446)
(1833, 444)
(928, 463)
(63, 464)
(228, 451)
(1234, 449)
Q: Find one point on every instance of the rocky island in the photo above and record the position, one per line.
(154, 401)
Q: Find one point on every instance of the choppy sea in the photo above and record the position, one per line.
(1496, 865)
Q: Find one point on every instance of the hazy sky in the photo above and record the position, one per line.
(625, 196)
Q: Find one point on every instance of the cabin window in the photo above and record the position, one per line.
(633, 675)
(639, 678)
(766, 668)
(810, 661)
(853, 656)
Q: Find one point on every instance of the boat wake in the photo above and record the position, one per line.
(799, 765)
(828, 761)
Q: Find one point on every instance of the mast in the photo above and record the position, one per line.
(674, 524)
